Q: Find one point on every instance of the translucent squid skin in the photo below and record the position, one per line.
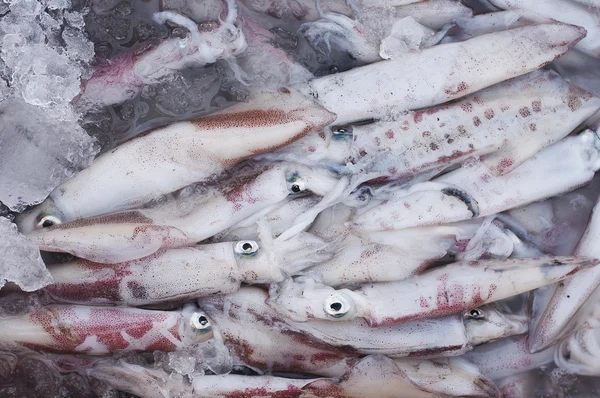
(441, 291)
(451, 335)
(102, 330)
(129, 72)
(474, 191)
(564, 11)
(136, 234)
(454, 70)
(508, 357)
(579, 352)
(182, 274)
(172, 157)
(571, 295)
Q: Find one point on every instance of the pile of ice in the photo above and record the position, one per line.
(20, 262)
(43, 57)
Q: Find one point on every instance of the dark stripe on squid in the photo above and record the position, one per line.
(471, 203)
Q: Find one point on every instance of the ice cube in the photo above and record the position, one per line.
(20, 262)
(38, 152)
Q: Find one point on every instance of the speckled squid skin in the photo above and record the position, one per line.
(171, 157)
(98, 330)
(441, 291)
(136, 234)
(182, 274)
(392, 86)
(474, 191)
(570, 295)
(258, 336)
(506, 124)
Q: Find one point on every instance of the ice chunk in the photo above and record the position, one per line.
(20, 261)
(38, 152)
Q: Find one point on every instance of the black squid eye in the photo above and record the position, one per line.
(475, 313)
(246, 247)
(48, 221)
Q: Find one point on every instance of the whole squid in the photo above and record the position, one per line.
(511, 120)
(136, 234)
(264, 340)
(127, 73)
(102, 330)
(430, 338)
(172, 157)
(184, 273)
(445, 290)
(474, 191)
(570, 295)
(454, 70)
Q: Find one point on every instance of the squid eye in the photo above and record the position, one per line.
(246, 247)
(297, 186)
(200, 323)
(340, 132)
(46, 221)
(336, 306)
(475, 313)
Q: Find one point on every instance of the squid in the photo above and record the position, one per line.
(473, 191)
(508, 357)
(132, 235)
(278, 219)
(504, 125)
(102, 330)
(429, 338)
(264, 340)
(372, 372)
(438, 292)
(454, 70)
(172, 157)
(564, 11)
(124, 78)
(396, 255)
(185, 273)
(579, 352)
(570, 295)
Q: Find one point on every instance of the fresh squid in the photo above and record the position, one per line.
(473, 190)
(512, 120)
(371, 373)
(571, 294)
(564, 11)
(430, 338)
(454, 70)
(124, 78)
(508, 357)
(136, 234)
(396, 255)
(579, 352)
(172, 157)
(441, 291)
(184, 273)
(264, 340)
(102, 330)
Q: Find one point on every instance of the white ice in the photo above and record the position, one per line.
(20, 261)
(43, 56)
